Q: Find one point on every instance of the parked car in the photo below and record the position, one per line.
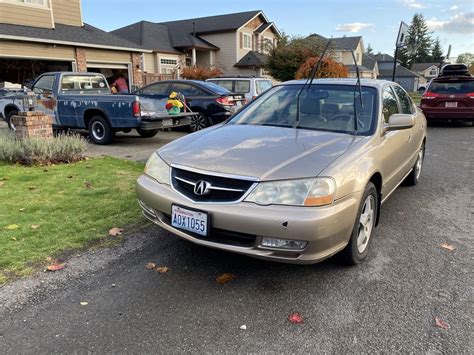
(298, 175)
(250, 87)
(84, 101)
(214, 104)
(449, 98)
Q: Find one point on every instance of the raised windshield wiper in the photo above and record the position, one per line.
(356, 116)
(310, 80)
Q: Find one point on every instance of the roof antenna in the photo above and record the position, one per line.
(310, 80)
(356, 116)
(194, 29)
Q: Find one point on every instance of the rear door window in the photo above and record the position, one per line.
(95, 83)
(242, 86)
(262, 86)
(405, 101)
(452, 87)
(188, 90)
(389, 103)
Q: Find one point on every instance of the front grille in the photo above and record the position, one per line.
(219, 189)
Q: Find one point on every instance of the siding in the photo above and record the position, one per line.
(67, 12)
(226, 57)
(103, 55)
(35, 50)
(150, 63)
(25, 15)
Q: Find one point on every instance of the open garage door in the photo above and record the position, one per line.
(24, 71)
(110, 70)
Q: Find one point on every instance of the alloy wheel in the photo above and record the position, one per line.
(419, 163)
(198, 122)
(366, 223)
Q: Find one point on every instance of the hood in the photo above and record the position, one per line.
(267, 153)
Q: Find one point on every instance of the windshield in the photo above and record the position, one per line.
(322, 107)
(89, 83)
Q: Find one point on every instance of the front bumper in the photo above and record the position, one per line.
(327, 229)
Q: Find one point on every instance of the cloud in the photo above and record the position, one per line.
(353, 27)
(414, 4)
(459, 23)
(454, 8)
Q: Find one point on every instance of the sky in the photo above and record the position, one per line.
(376, 20)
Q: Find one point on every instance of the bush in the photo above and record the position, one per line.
(65, 148)
(200, 73)
(328, 68)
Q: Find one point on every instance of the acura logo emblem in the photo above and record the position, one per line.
(202, 188)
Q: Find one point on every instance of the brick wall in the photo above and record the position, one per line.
(81, 60)
(33, 124)
(136, 70)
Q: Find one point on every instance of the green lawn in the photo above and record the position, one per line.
(416, 96)
(71, 205)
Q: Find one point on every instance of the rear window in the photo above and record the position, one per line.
(95, 83)
(242, 86)
(452, 87)
(228, 84)
(263, 85)
(214, 88)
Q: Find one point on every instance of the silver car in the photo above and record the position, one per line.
(296, 176)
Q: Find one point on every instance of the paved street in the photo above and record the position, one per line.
(387, 304)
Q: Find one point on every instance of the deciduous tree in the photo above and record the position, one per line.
(329, 68)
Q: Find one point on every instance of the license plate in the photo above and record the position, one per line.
(189, 220)
(451, 104)
(167, 123)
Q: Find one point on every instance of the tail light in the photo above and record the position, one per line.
(136, 108)
(470, 95)
(254, 97)
(429, 95)
(226, 101)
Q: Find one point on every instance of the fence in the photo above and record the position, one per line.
(149, 78)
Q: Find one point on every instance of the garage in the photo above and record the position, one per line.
(111, 71)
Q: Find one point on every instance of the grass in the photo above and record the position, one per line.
(74, 205)
(416, 96)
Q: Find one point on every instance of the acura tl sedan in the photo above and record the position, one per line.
(296, 176)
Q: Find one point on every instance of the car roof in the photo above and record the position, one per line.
(237, 78)
(376, 83)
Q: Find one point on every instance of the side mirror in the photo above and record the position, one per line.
(400, 121)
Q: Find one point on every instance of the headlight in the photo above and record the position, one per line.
(158, 169)
(301, 192)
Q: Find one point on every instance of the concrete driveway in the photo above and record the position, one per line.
(133, 147)
(389, 304)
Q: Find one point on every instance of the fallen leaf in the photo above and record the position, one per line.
(128, 156)
(88, 185)
(49, 259)
(70, 176)
(83, 303)
(13, 239)
(441, 323)
(56, 267)
(162, 269)
(5, 178)
(45, 170)
(295, 318)
(2, 183)
(448, 246)
(32, 188)
(12, 226)
(150, 266)
(21, 209)
(114, 232)
(243, 327)
(226, 277)
(35, 226)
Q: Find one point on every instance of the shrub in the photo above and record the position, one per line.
(329, 68)
(200, 73)
(65, 148)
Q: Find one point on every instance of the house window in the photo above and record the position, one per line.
(168, 61)
(433, 72)
(247, 41)
(39, 3)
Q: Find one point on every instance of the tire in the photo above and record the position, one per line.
(199, 122)
(100, 131)
(147, 134)
(9, 117)
(358, 248)
(414, 177)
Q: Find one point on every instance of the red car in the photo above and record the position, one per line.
(449, 98)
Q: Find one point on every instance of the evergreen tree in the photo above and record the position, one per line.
(437, 51)
(369, 50)
(418, 35)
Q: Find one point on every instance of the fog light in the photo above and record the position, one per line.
(283, 243)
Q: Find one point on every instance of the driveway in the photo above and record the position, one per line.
(388, 304)
(133, 147)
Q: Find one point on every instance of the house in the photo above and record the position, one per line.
(408, 79)
(340, 50)
(234, 43)
(426, 70)
(38, 36)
